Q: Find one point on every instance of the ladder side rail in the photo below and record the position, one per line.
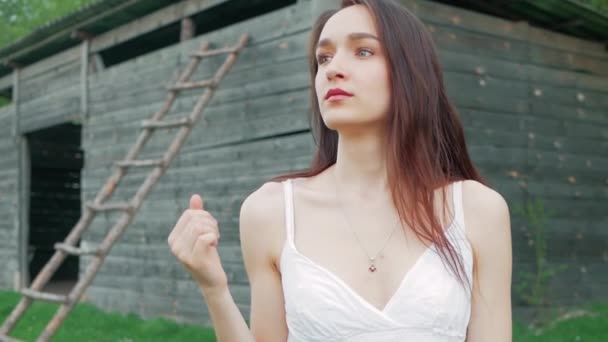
(46, 273)
(145, 134)
(90, 273)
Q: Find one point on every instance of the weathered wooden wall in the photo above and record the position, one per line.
(249, 129)
(50, 98)
(8, 199)
(533, 103)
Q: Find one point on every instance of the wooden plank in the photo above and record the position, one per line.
(84, 77)
(214, 52)
(141, 163)
(269, 27)
(566, 112)
(51, 80)
(59, 60)
(218, 162)
(16, 99)
(60, 107)
(119, 206)
(152, 78)
(166, 123)
(238, 109)
(217, 136)
(162, 17)
(488, 69)
(451, 38)
(49, 297)
(187, 29)
(192, 85)
(433, 12)
(76, 251)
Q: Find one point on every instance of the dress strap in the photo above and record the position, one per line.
(289, 214)
(458, 207)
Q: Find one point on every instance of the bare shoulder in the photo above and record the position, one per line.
(485, 201)
(261, 218)
(486, 212)
(263, 202)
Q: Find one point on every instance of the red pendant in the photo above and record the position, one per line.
(372, 268)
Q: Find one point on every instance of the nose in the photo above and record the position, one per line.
(333, 73)
(333, 69)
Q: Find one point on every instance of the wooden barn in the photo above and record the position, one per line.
(531, 85)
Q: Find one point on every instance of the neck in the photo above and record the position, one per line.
(360, 169)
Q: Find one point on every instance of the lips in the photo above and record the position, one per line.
(337, 92)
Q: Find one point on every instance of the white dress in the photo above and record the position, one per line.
(430, 304)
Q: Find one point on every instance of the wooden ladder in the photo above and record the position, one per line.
(130, 208)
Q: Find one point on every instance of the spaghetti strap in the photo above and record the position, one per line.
(458, 207)
(289, 214)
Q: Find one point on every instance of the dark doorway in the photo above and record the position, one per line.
(56, 160)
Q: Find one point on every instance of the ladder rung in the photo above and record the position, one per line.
(48, 297)
(193, 85)
(147, 162)
(4, 338)
(76, 250)
(166, 123)
(109, 206)
(208, 53)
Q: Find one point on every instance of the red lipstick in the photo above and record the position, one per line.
(337, 92)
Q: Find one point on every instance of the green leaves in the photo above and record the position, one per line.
(533, 287)
(20, 17)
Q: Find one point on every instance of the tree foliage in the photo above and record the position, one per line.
(20, 17)
(600, 5)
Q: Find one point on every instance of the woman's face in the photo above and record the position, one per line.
(351, 60)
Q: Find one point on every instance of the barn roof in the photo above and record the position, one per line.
(566, 16)
(95, 18)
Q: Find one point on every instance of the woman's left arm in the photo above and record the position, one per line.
(489, 230)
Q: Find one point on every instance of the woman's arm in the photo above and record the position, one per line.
(228, 323)
(489, 230)
(262, 234)
(193, 241)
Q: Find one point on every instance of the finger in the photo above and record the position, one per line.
(179, 226)
(206, 240)
(196, 202)
(196, 229)
(207, 219)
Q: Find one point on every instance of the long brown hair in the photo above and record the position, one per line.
(425, 138)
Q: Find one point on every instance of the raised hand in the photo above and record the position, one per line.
(193, 241)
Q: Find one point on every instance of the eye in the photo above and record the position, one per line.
(322, 58)
(365, 52)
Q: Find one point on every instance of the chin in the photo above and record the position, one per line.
(337, 122)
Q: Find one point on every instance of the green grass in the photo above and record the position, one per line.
(588, 324)
(87, 323)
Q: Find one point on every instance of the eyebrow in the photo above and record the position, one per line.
(353, 36)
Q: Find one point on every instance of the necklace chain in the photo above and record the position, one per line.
(372, 259)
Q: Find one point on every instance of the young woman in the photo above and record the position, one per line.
(391, 234)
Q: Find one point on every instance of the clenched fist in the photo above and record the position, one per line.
(193, 241)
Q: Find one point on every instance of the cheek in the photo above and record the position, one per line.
(318, 86)
(378, 88)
